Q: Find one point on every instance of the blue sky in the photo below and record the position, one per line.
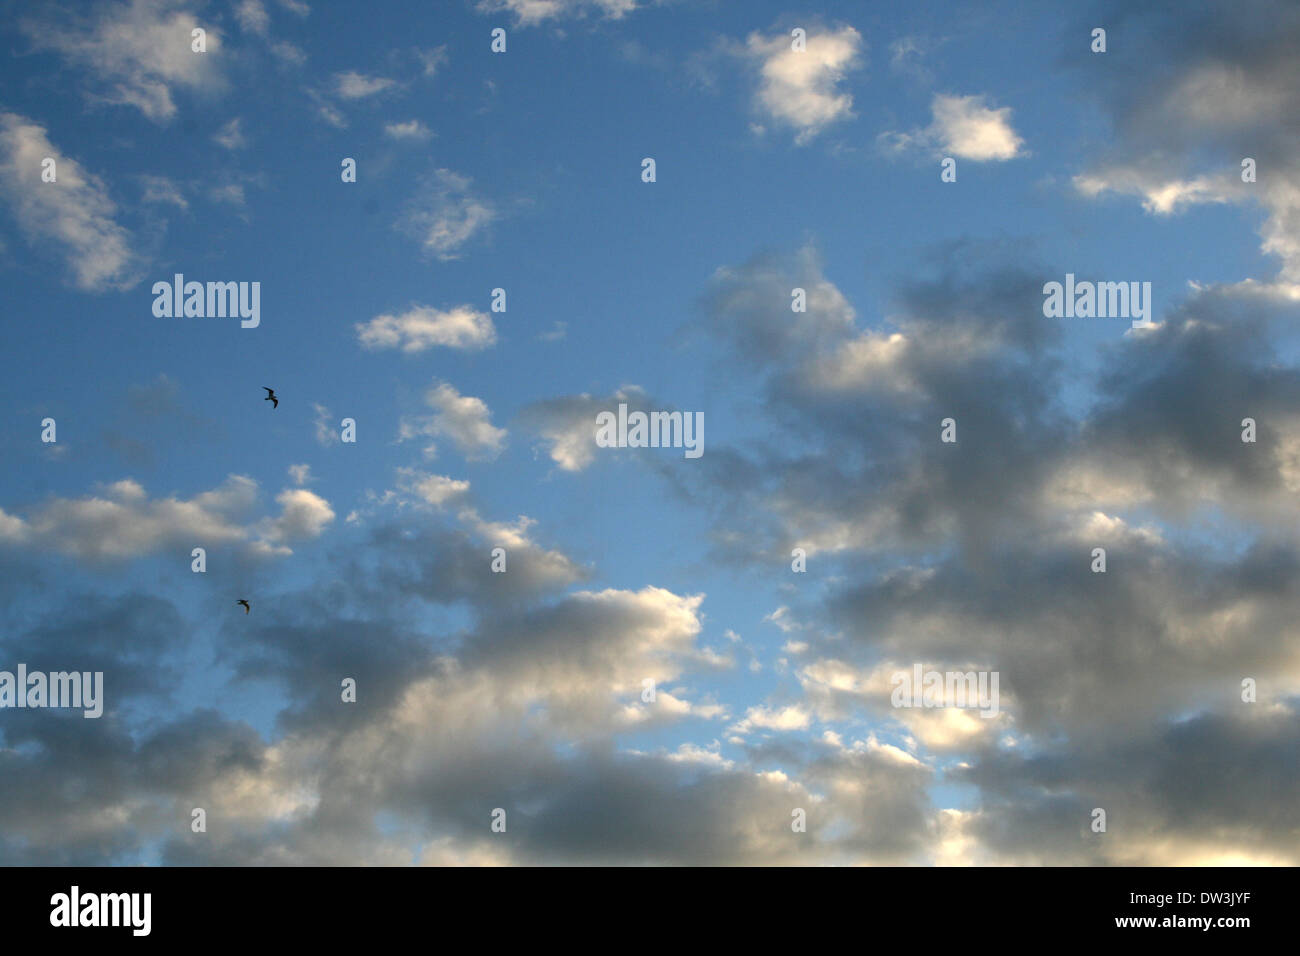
(776, 168)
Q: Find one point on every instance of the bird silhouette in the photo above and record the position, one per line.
(245, 603)
(270, 397)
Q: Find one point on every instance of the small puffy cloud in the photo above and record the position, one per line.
(304, 515)
(792, 717)
(445, 214)
(965, 127)
(466, 420)
(301, 474)
(410, 130)
(351, 85)
(74, 212)
(801, 89)
(424, 327)
(436, 490)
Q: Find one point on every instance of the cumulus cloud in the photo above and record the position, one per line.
(802, 89)
(74, 213)
(303, 515)
(763, 718)
(965, 127)
(466, 420)
(1227, 94)
(121, 521)
(423, 327)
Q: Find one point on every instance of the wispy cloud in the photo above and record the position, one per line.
(533, 12)
(446, 214)
(74, 212)
(136, 53)
(352, 85)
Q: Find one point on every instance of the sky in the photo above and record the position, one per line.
(685, 660)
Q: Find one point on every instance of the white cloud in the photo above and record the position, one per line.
(304, 515)
(1161, 195)
(121, 521)
(568, 423)
(231, 135)
(411, 129)
(252, 17)
(466, 420)
(323, 425)
(431, 60)
(446, 215)
(74, 212)
(424, 327)
(231, 194)
(793, 717)
(965, 127)
(801, 89)
(352, 85)
(289, 52)
(160, 189)
(327, 110)
(533, 12)
(139, 52)
(436, 490)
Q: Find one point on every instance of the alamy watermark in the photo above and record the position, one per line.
(178, 298)
(1102, 300)
(74, 909)
(57, 689)
(921, 688)
(651, 430)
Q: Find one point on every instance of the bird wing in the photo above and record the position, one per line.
(275, 403)
(269, 391)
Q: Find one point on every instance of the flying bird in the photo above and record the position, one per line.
(245, 603)
(270, 397)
